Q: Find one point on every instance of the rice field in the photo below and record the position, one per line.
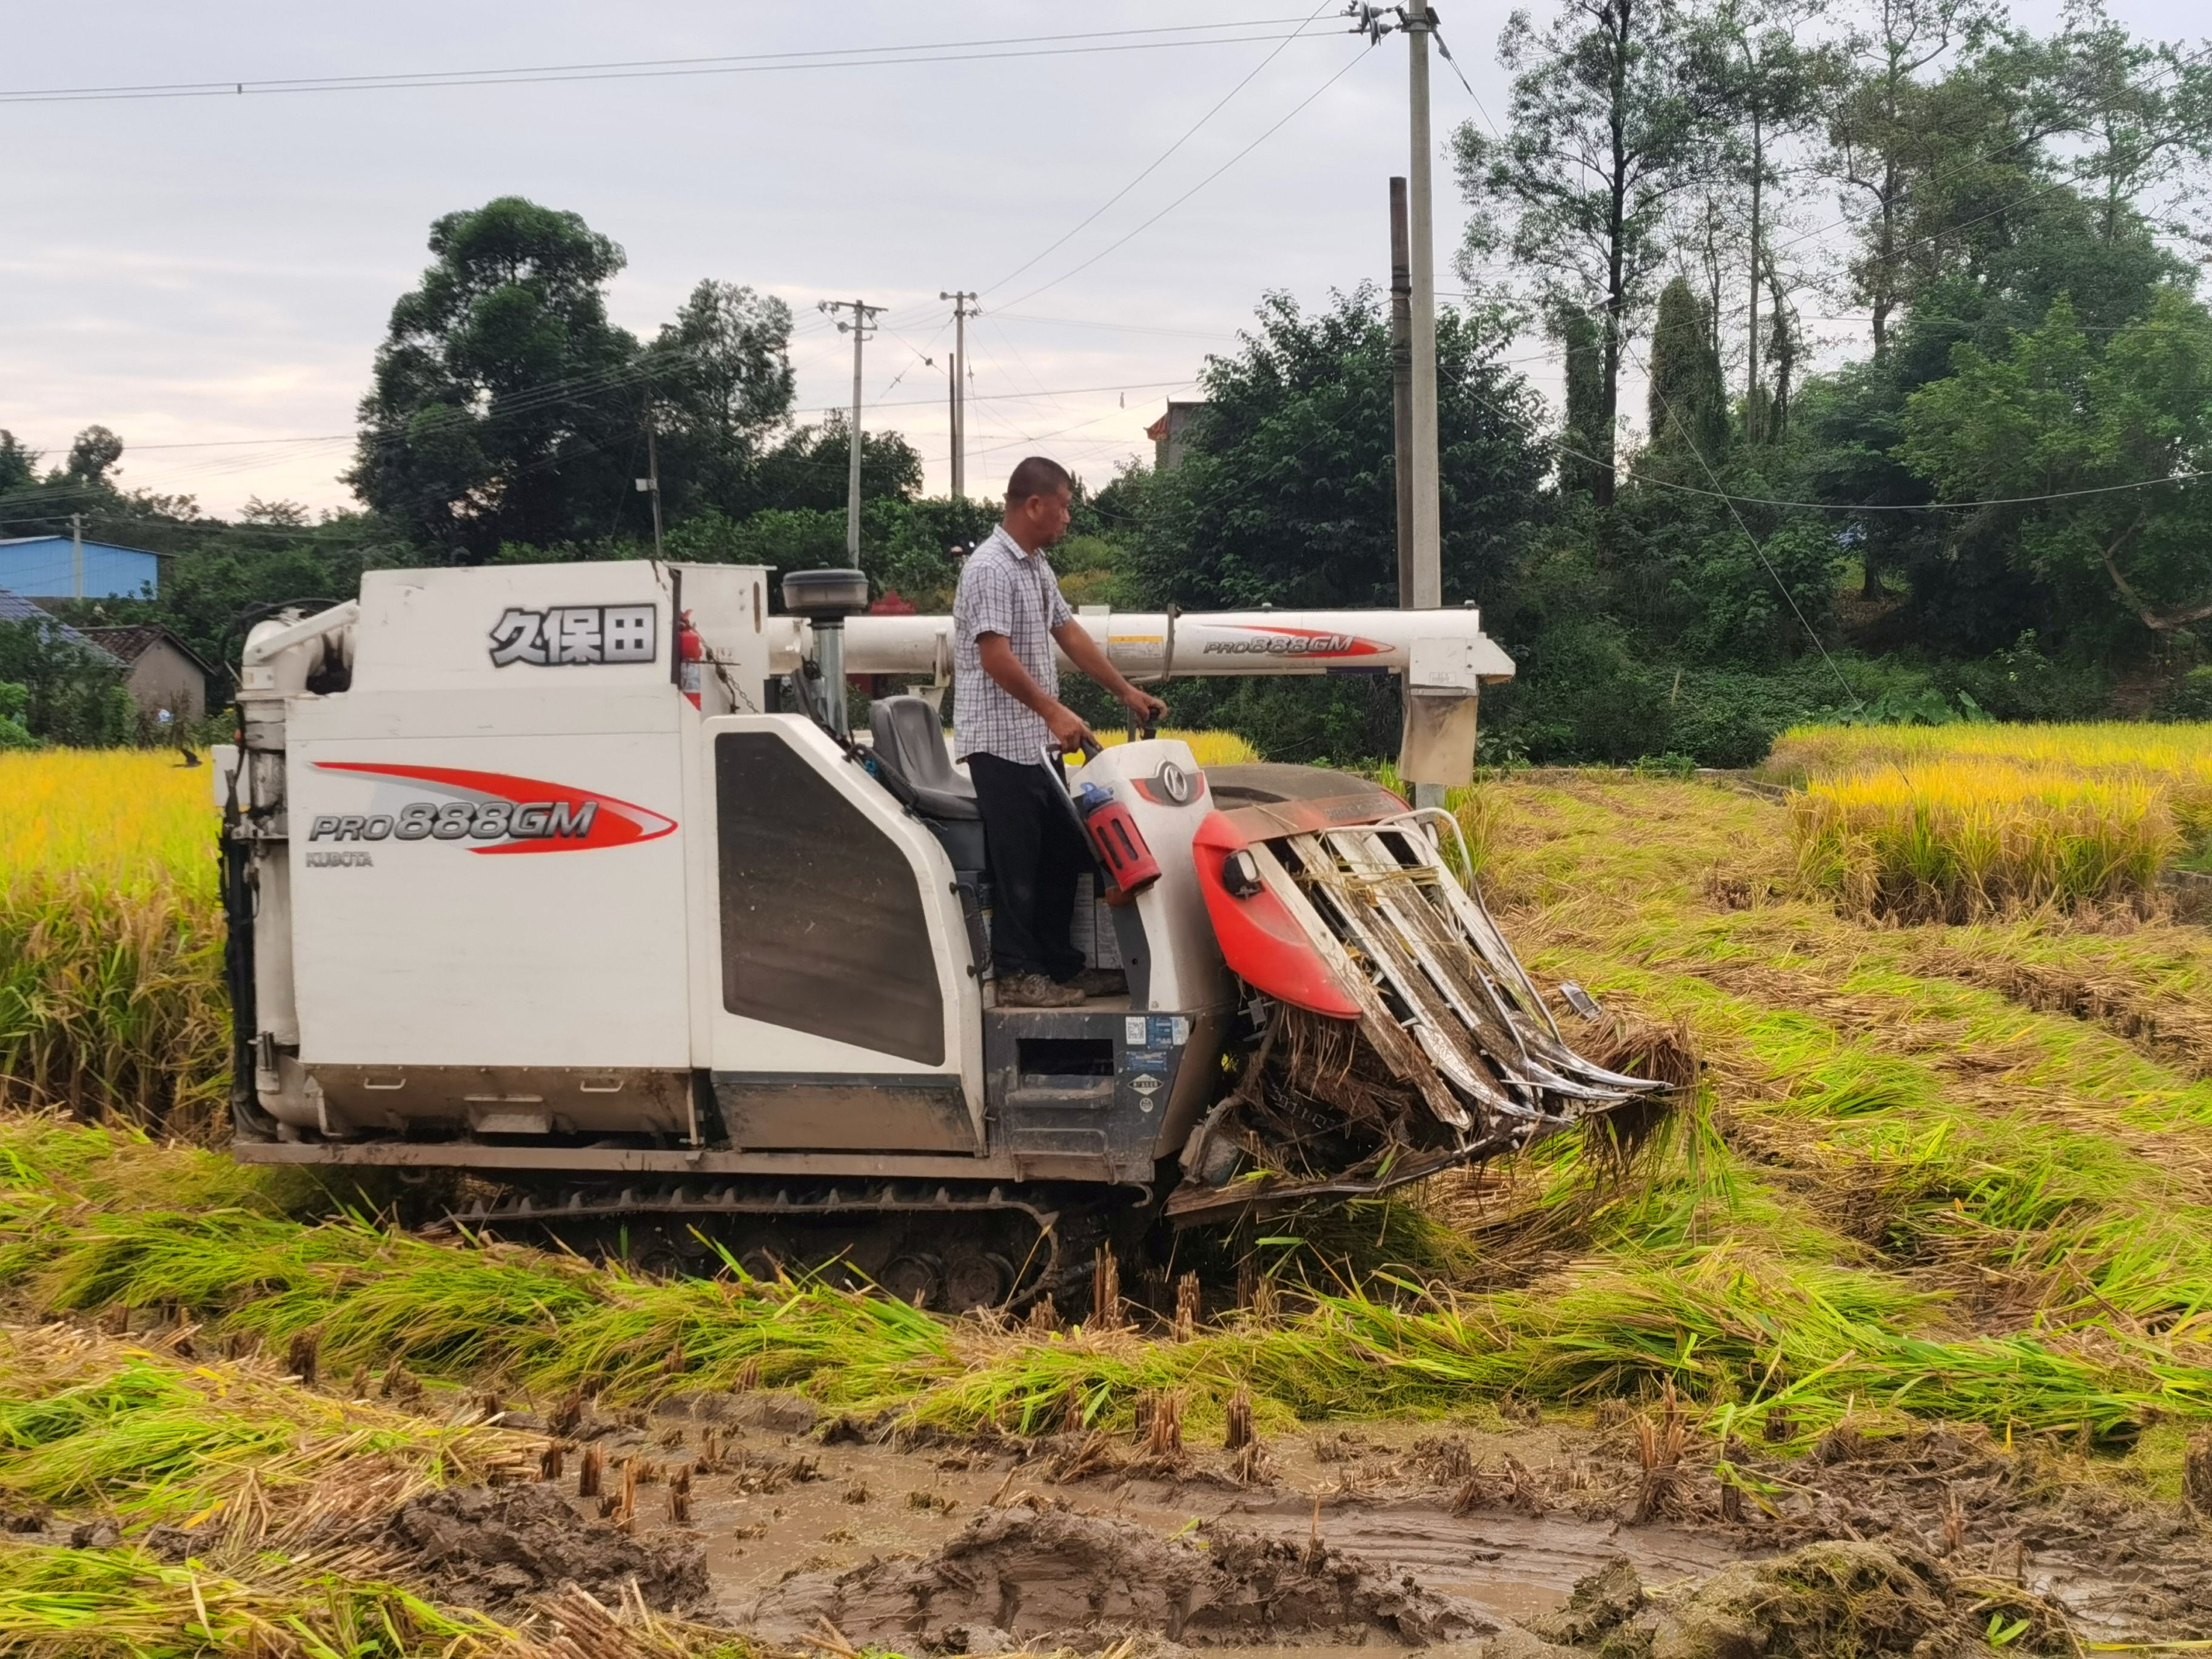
(1955, 1168)
(1958, 823)
(1936, 1132)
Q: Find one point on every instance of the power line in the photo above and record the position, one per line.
(1758, 547)
(943, 51)
(1116, 328)
(1197, 187)
(1140, 230)
(1189, 132)
(1907, 507)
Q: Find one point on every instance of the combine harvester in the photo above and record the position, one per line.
(531, 876)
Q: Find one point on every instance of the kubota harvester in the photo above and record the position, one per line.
(573, 879)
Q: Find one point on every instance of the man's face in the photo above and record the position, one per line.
(1044, 517)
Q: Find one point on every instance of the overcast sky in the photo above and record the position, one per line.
(200, 271)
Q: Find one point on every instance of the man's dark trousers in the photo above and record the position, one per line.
(1036, 853)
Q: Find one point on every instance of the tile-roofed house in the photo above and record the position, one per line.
(165, 672)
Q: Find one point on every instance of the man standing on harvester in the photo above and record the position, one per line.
(1006, 712)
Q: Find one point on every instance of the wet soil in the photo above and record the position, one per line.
(797, 1515)
(1036, 1574)
(492, 1547)
(1866, 1600)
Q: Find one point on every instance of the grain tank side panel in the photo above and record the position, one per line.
(499, 883)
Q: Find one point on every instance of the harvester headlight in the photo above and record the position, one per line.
(1240, 874)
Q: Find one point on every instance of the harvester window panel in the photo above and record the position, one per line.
(823, 929)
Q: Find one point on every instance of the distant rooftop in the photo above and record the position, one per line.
(15, 608)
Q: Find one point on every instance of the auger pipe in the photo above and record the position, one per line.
(1155, 645)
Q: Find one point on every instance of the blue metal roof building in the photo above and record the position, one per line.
(52, 567)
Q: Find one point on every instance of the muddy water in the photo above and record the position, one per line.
(864, 1501)
(868, 1501)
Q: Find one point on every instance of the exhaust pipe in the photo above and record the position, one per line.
(825, 598)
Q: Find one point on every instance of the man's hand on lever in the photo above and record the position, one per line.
(1067, 730)
(1143, 708)
(1083, 650)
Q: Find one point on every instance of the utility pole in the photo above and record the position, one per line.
(1402, 385)
(1419, 494)
(1428, 510)
(860, 328)
(76, 554)
(651, 483)
(963, 307)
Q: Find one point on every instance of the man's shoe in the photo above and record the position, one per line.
(1101, 982)
(1036, 991)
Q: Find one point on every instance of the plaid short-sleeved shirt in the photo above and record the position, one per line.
(1003, 590)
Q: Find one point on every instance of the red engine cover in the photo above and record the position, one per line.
(1261, 940)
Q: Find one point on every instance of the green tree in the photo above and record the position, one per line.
(721, 386)
(1287, 494)
(809, 467)
(1687, 402)
(19, 467)
(1758, 84)
(73, 693)
(93, 456)
(1879, 140)
(505, 406)
(2141, 109)
(1601, 132)
(14, 708)
(1583, 447)
(2055, 416)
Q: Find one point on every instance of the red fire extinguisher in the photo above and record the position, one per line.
(1121, 844)
(690, 654)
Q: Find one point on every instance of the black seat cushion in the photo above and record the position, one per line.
(910, 745)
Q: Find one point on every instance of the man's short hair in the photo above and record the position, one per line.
(1036, 476)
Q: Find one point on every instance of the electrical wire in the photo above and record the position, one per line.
(1117, 328)
(1757, 545)
(1189, 133)
(1122, 240)
(949, 52)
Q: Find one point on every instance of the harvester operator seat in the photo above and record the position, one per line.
(910, 746)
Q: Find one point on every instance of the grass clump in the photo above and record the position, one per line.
(148, 1436)
(59, 1604)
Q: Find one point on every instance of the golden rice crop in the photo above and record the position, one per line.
(2177, 756)
(1958, 839)
(1207, 748)
(130, 816)
(111, 941)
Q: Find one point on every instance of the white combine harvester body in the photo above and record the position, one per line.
(531, 876)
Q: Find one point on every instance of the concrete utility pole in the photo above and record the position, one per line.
(963, 307)
(1428, 512)
(1402, 385)
(860, 328)
(76, 554)
(651, 483)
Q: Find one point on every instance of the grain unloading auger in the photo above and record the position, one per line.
(534, 874)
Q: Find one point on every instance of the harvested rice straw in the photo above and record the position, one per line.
(86, 1420)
